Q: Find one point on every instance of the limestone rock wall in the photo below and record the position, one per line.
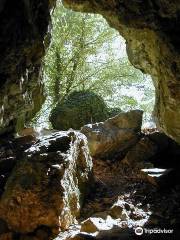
(151, 29)
(23, 26)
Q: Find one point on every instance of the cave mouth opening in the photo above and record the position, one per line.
(119, 192)
(86, 54)
(93, 58)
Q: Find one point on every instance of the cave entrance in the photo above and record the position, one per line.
(87, 66)
(86, 55)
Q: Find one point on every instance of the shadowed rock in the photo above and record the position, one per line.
(114, 135)
(23, 40)
(48, 184)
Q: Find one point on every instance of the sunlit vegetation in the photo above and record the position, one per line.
(86, 54)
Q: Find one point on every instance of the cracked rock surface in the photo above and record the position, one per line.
(47, 185)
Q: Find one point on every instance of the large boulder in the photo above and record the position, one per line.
(114, 135)
(48, 184)
(78, 109)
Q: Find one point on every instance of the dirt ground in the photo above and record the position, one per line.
(146, 204)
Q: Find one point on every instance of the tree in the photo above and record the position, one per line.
(85, 54)
(81, 55)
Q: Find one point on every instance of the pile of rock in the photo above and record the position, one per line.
(112, 224)
(47, 186)
(122, 138)
(45, 179)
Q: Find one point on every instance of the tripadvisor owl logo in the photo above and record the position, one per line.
(139, 231)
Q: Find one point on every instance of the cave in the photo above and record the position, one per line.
(87, 62)
(150, 29)
(152, 45)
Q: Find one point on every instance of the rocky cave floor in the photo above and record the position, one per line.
(121, 199)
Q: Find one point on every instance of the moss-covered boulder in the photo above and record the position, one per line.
(80, 108)
(114, 111)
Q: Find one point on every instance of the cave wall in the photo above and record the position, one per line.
(152, 33)
(150, 27)
(23, 39)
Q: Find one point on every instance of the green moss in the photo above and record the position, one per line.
(114, 111)
(78, 109)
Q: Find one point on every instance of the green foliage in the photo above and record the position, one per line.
(78, 109)
(82, 56)
(86, 55)
(113, 111)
